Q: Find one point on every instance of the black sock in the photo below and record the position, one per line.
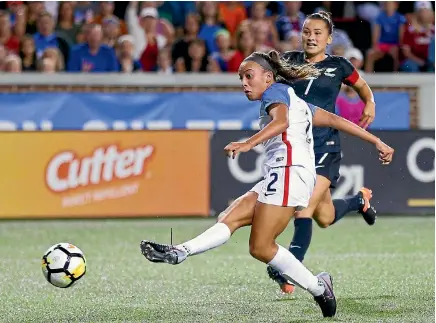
(302, 236)
(343, 206)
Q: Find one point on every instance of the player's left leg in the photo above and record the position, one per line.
(323, 210)
(360, 202)
(268, 222)
(327, 212)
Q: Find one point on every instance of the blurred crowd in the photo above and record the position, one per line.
(171, 36)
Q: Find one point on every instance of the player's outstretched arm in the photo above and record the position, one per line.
(322, 118)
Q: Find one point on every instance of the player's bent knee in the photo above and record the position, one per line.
(322, 224)
(259, 251)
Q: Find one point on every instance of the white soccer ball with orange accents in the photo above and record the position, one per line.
(63, 264)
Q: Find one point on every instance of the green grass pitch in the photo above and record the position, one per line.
(383, 273)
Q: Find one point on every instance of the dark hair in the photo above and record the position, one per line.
(324, 16)
(61, 6)
(283, 71)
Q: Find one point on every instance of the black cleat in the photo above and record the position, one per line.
(366, 210)
(162, 253)
(285, 285)
(326, 301)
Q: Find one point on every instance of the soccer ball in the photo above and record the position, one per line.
(63, 264)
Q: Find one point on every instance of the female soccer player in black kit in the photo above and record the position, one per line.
(323, 91)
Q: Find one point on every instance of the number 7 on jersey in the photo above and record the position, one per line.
(308, 86)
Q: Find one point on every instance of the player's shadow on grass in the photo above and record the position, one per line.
(372, 297)
(356, 305)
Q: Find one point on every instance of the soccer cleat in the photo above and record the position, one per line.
(286, 286)
(366, 210)
(162, 253)
(327, 300)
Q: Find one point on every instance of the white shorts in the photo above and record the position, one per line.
(286, 186)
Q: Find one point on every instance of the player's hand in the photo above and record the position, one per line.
(368, 115)
(234, 148)
(385, 152)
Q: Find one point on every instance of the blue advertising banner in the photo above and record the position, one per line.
(184, 110)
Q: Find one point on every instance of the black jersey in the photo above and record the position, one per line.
(323, 92)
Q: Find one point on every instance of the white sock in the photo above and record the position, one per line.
(293, 270)
(209, 239)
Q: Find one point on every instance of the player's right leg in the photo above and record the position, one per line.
(268, 222)
(238, 214)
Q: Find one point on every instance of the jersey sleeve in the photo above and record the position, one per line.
(312, 108)
(275, 94)
(350, 74)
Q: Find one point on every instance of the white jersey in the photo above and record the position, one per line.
(294, 147)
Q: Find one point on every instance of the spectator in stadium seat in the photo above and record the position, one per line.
(259, 21)
(45, 37)
(209, 24)
(93, 56)
(66, 27)
(232, 13)
(261, 32)
(292, 21)
(17, 11)
(106, 12)
(163, 27)
(111, 31)
(225, 53)
(180, 47)
(355, 56)
(349, 105)
(154, 41)
(245, 46)
(386, 36)
(7, 39)
(28, 53)
(417, 38)
(164, 63)
(197, 60)
(12, 64)
(147, 40)
(55, 55)
(34, 10)
(124, 51)
(340, 38)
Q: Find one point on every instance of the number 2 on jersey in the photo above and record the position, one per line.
(269, 188)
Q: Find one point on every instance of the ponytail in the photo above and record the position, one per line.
(287, 72)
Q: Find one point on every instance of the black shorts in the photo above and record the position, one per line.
(327, 165)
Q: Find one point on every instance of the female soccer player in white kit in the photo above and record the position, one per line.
(289, 167)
